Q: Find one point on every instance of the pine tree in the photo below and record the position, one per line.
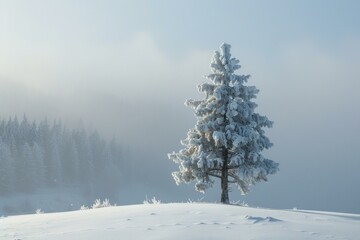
(24, 131)
(28, 177)
(70, 161)
(6, 169)
(228, 138)
(86, 165)
(54, 162)
(40, 170)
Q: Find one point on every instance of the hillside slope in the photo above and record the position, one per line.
(181, 221)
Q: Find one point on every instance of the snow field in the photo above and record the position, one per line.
(181, 221)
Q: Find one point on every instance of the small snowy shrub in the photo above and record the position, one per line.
(106, 203)
(83, 207)
(151, 201)
(99, 204)
(39, 211)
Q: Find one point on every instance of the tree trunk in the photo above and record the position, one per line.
(224, 179)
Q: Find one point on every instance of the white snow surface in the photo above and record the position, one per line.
(178, 221)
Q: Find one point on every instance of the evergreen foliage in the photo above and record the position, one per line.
(228, 137)
(36, 156)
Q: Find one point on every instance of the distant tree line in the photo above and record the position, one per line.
(41, 155)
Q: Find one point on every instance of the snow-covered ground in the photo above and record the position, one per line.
(181, 221)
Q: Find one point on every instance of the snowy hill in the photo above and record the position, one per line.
(181, 221)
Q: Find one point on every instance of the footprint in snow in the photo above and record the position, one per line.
(200, 223)
(261, 219)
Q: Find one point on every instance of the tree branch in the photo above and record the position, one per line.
(233, 167)
(215, 169)
(214, 175)
(236, 178)
(229, 181)
(229, 168)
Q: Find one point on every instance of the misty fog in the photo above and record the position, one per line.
(128, 78)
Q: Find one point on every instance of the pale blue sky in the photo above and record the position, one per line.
(126, 67)
(179, 25)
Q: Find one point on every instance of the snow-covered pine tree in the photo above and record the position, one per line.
(228, 138)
